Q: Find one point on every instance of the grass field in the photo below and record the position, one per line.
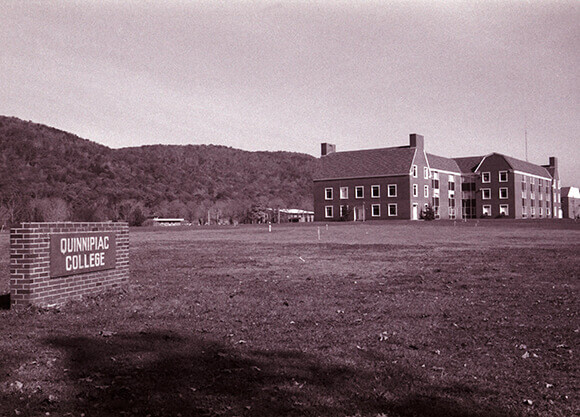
(382, 319)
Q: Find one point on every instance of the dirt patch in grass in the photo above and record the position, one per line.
(397, 319)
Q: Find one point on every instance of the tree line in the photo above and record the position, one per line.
(50, 175)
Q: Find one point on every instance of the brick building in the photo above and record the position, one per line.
(400, 182)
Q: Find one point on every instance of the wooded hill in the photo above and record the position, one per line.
(49, 175)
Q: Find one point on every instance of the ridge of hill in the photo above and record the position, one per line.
(47, 174)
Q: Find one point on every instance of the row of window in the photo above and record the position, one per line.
(532, 203)
(359, 192)
(504, 211)
(486, 193)
(533, 212)
(486, 176)
(434, 174)
(375, 210)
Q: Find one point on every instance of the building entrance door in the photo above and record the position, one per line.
(359, 213)
(415, 214)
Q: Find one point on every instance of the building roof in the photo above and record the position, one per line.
(366, 163)
(570, 192)
(441, 163)
(468, 164)
(527, 167)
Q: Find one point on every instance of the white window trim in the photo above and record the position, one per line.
(507, 209)
(326, 193)
(396, 209)
(426, 191)
(483, 190)
(373, 206)
(506, 193)
(326, 215)
(483, 177)
(425, 173)
(359, 187)
(415, 190)
(378, 188)
(506, 176)
(414, 171)
(389, 190)
(488, 206)
(345, 197)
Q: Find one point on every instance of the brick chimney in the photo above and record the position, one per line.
(327, 149)
(553, 162)
(416, 141)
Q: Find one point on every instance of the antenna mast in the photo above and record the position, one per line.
(526, 137)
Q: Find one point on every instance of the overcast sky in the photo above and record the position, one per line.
(288, 75)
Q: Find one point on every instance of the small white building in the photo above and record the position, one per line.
(157, 221)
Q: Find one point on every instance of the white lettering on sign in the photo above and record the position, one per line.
(83, 244)
(77, 253)
(84, 261)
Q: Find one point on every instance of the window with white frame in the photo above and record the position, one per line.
(540, 211)
(524, 212)
(426, 173)
(503, 176)
(486, 210)
(415, 190)
(414, 171)
(392, 190)
(343, 193)
(486, 193)
(435, 181)
(328, 193)
(504, 209)
(375, 191)
(328, 213)
(540, 196)
(359, 191)
(426, 191)
(375, 210)
(503, 193)
(486, 177)
(392, 209)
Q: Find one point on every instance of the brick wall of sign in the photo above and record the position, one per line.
(30, 262)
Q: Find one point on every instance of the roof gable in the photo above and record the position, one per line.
(468, 164)
(442, 164)
(366, 163)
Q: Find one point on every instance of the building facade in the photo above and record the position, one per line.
(401, 182)
(570, 202)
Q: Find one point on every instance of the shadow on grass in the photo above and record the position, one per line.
(162, 374)
(5, 301)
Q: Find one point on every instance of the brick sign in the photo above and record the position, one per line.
(79, 253)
